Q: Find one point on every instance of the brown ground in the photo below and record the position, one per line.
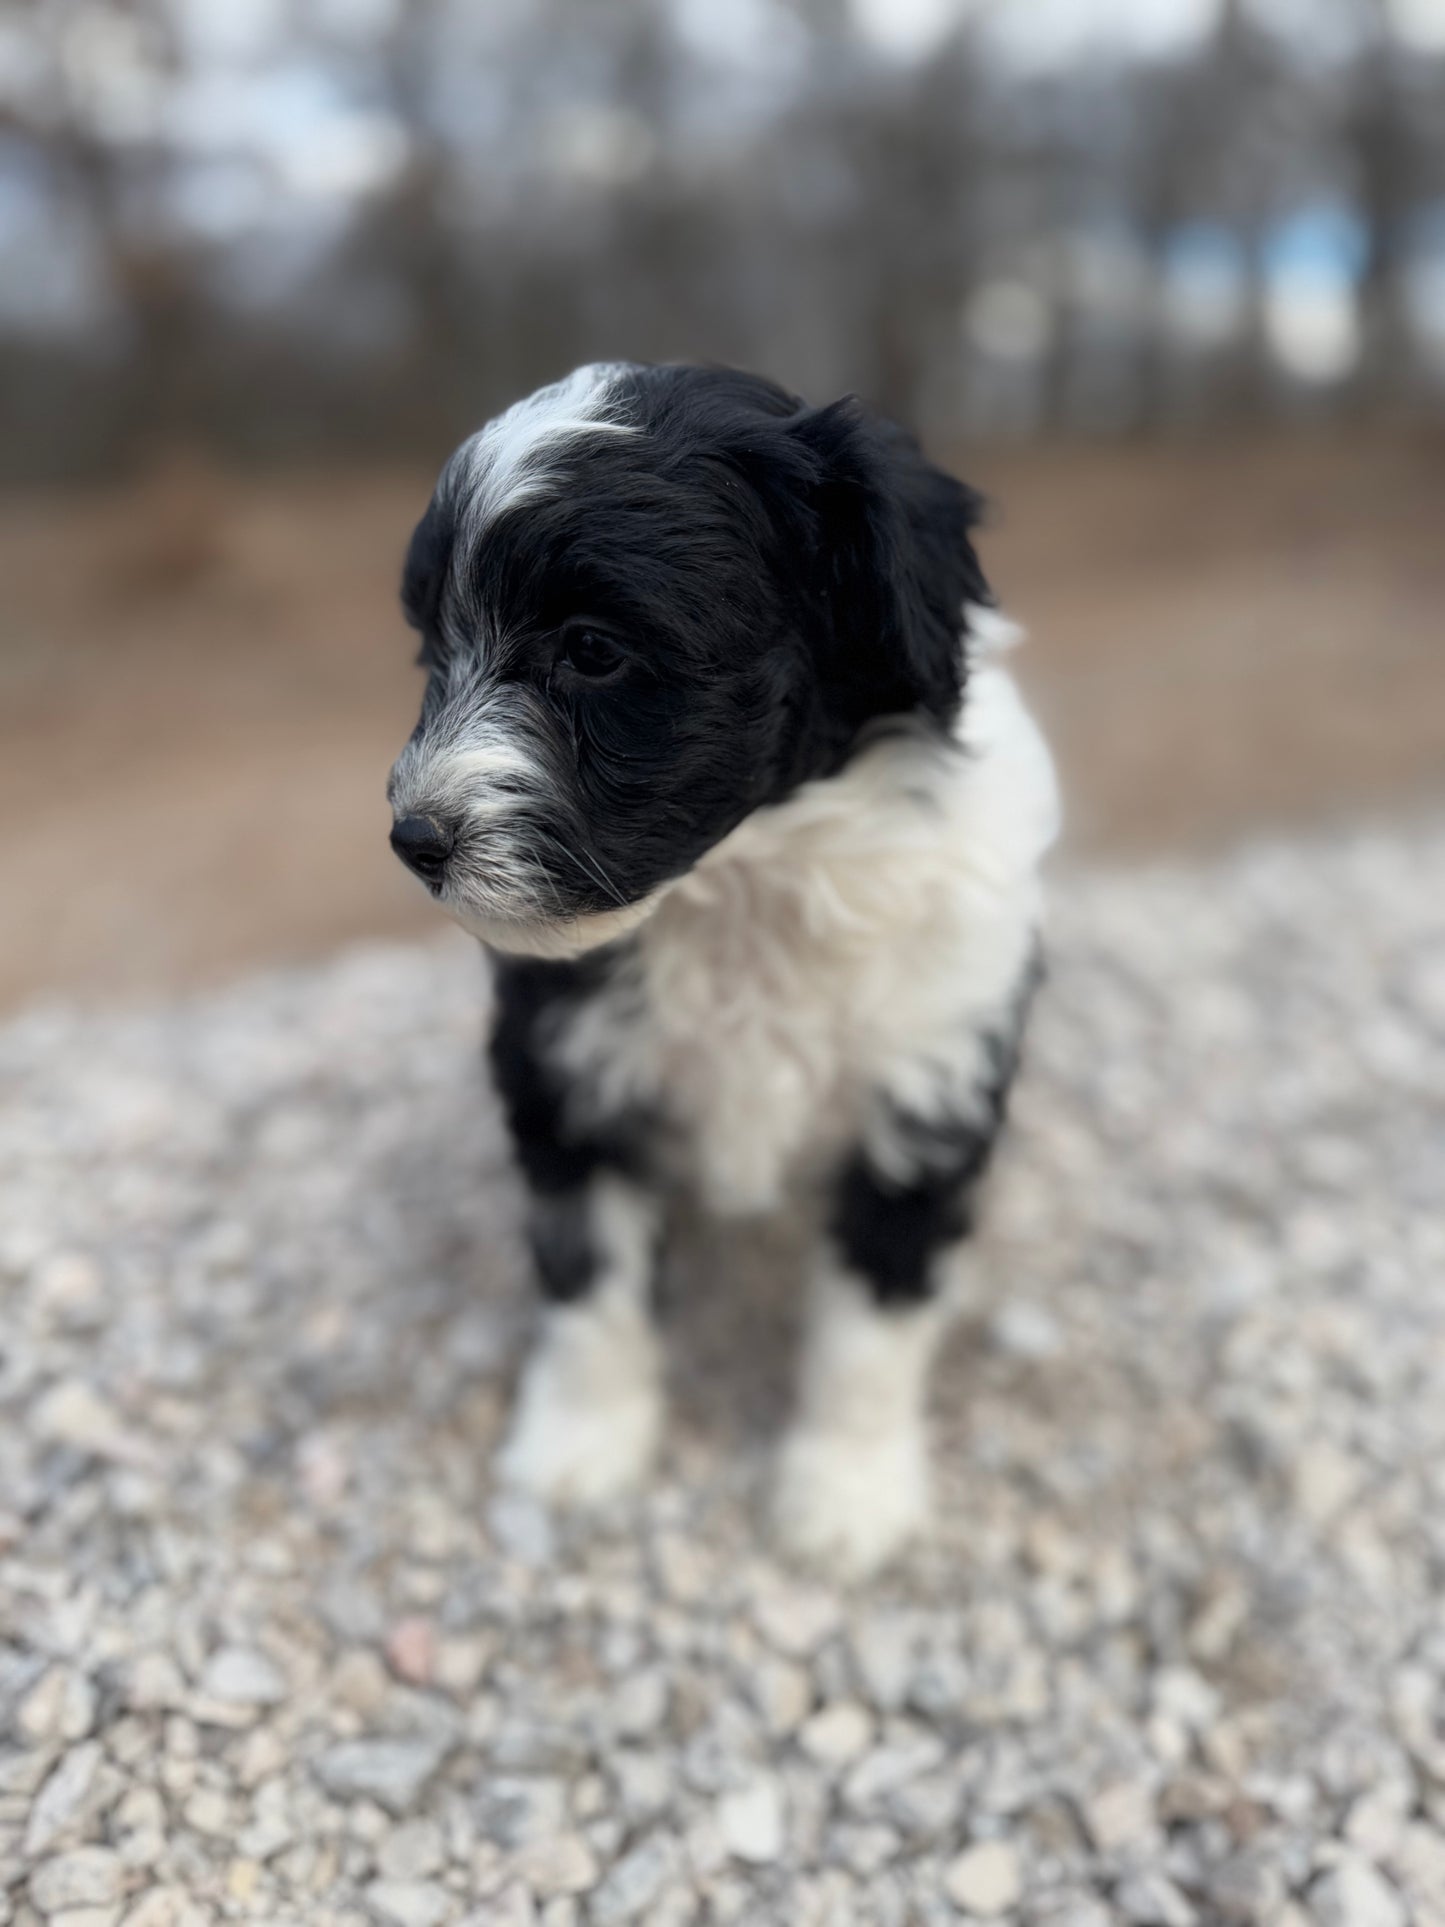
(202, 682)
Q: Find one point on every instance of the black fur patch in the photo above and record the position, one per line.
(529, 994)
(562, 1247)
(890, 1232)
(556, 1158)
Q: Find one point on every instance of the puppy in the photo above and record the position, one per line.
(717, 758)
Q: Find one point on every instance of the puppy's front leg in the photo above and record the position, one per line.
(853, 1480)
(589, 1408)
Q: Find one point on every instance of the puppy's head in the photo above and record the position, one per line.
(652, 600)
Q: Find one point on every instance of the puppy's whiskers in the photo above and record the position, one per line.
(591, 867)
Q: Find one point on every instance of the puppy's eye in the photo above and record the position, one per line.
(590, 654)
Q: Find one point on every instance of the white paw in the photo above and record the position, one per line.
(847, 1502)
(570, 1448)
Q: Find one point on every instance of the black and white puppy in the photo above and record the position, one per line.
(717, 756)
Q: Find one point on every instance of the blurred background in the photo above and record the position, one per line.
(1165, 277)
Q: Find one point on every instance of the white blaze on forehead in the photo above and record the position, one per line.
(507, 462)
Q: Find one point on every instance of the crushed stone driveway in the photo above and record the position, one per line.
(272, 1647)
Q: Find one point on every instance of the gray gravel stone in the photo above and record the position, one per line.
(515, 1811)
(1120, 1815)
(85, 1877)
(63, 1799)
(408, 1903)
(243, 1676)
(392, 1772)
(631, 1889)
(985, 1879)
(751, 1821)
(838, 1734)
(562, 1863)
(1152, 1899)
(795, 1619)
(412, 1852)
(639, 1706)
(1355, 1894)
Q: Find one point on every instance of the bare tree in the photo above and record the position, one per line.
(595, 203)
(1380, 139)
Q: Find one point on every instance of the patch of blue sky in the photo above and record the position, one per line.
(1326, 244)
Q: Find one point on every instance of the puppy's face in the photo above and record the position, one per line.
(651, 601)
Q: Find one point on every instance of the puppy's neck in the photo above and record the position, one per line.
(830, 866)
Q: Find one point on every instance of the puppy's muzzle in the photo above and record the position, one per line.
(423, 844)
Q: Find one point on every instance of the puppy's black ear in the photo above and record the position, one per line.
(891, 538)
(424, 572)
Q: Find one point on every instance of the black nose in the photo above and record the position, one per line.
(423, 845)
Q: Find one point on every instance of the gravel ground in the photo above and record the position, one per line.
(271, 1647)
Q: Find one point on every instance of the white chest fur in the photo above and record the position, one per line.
(835, 957)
